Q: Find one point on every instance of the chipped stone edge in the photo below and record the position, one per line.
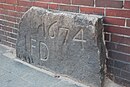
(55, 12)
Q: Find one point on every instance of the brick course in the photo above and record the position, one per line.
(116, 15)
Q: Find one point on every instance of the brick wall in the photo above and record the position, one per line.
(116, 23)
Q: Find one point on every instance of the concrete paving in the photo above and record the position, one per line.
(19, 74)
(16, 74)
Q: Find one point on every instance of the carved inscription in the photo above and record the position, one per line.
(33, 46)
(63, 35)
(63, 43)
(44, 51)
(51, 28)
(79, 37)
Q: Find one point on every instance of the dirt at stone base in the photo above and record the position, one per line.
(110, 83)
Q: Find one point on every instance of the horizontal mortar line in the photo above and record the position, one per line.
(122, 78)
(117, 26)
(106, 32)
(77, 5)
(117, 51)
(121, 52)
(10, 16)
(13, 5)
(9, 27)
(11, 38)
(127, 36)
(121, 35)
(119, 43)
(117, 17)
(10, 32)
(117, 8)
(83, 5)
(119, 61)
(12, 11)
(9, 21)
(118, 68)
(70, 5)
(8, 42)
(120, 72)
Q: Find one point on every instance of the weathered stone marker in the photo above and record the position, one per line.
(66, 43)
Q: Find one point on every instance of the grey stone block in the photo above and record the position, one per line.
(69, 44)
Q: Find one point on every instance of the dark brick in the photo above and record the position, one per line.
(91, 10)
(109, 3)
(62, 1)
(127, 4)
(125, 75)
(83, 2)
(69, 8)
(122, 81)
(114, 21)
(118, 13)
(128, 22)
(107, 37)
(40, 4)
(53, 6)
(120, 39)
(118, 47)
(117, 30)
(119, 56)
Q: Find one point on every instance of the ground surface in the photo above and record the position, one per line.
(18, 74)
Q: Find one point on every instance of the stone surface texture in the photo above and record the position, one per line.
(69, 44)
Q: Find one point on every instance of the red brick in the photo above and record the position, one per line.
(8, 7)
(21, 8)
(120, 39)
(5, 28)
(128, 22)
(69, 8)
(118, 47)
(53, 6)
(11, 1)
(114, 21)
(117, 30)
(10, 18)
(109, 3)
(25, 3)
(2, 1)
(89, 10)
(127, 4)
(46, 0)
(83, 2)
(2, 11)
(1, 5)
(40, 4)
(118, 13)
(15, 14)
(62, 1)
